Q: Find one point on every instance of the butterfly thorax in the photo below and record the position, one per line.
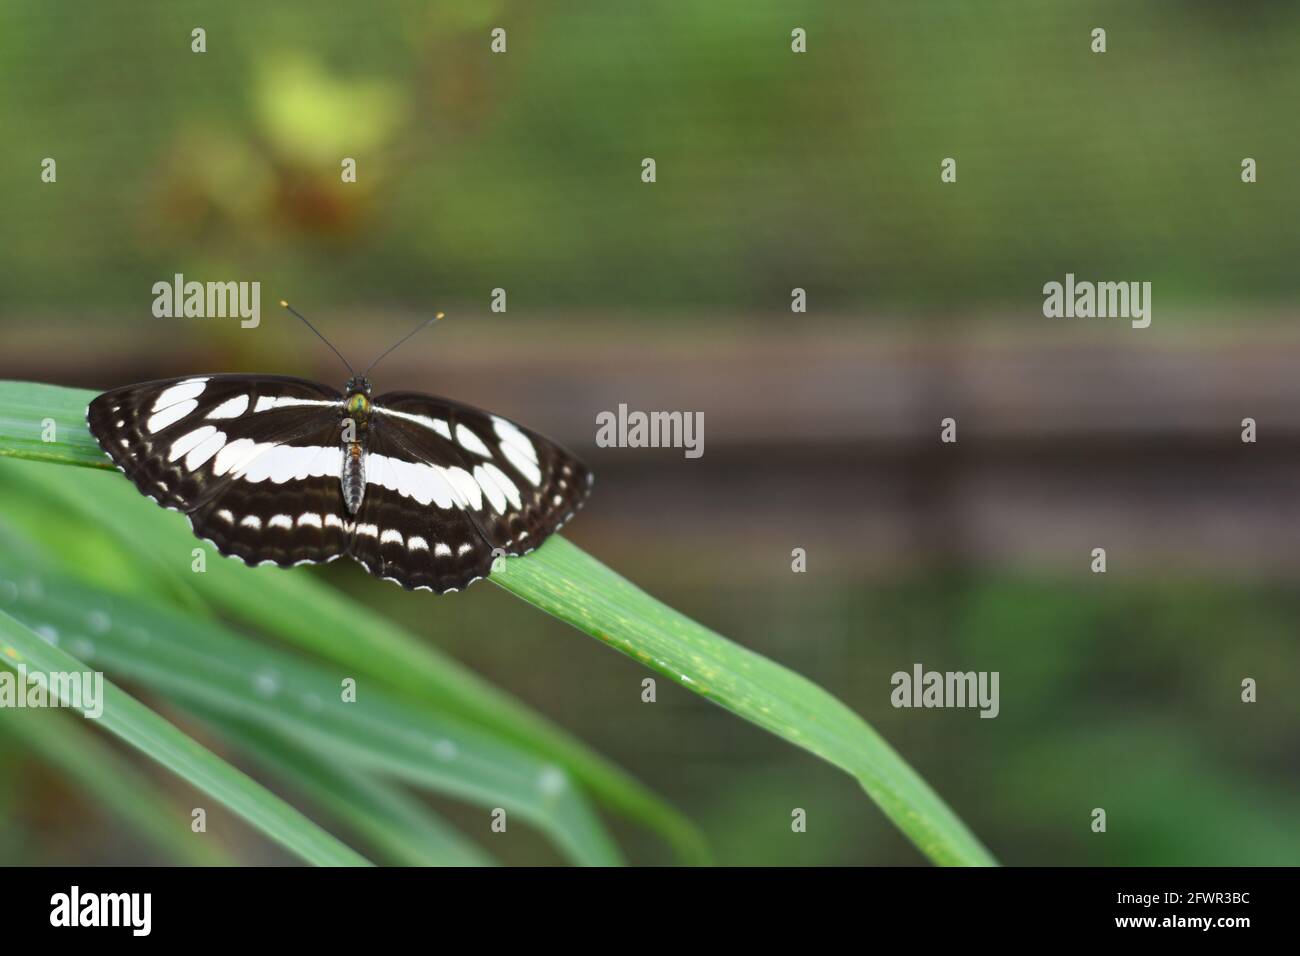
(355, 425)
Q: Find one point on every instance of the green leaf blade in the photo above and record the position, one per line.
(567, 583)
(156, 738)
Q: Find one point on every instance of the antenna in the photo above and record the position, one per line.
(428, 321)
(286, 305)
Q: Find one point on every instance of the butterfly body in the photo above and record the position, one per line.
(422, 491)
(353, 479)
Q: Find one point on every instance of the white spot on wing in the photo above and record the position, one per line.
(434, 424)
(510, 434)
(508, 487)
(180, 392)
(418, 481)
(471, 442)
(280, 521)
(181, 446)
(281, 463)
(525, 466)
(268, 402)
(170, 415)
(235, 455)
(202, 452)
(491, 491)
(465, 484)
(230, 408)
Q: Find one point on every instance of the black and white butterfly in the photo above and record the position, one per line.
(422, 491)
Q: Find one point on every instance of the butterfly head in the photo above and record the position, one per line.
(358, 400)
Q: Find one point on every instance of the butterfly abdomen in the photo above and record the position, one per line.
(355, 425)
(354, 476)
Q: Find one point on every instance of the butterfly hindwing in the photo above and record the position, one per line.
(417, 545)
(302, 520)
(252, 460)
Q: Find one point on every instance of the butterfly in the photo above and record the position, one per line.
(423, 491)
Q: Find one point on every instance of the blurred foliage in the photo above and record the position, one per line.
(774, 169)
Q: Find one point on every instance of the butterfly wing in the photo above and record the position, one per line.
(449, 486)
(253, 461)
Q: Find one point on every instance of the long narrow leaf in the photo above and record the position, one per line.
(66, 742)
(201, 665)
(156, 738)
(579, 590)
(396, 823)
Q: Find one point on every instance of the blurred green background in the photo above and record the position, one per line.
(775, 170)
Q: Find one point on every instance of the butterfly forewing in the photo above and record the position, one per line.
(252, 460)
